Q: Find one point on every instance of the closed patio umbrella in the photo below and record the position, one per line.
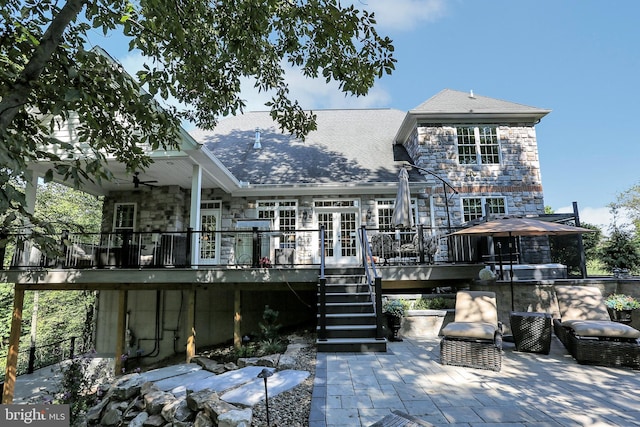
(402, 217)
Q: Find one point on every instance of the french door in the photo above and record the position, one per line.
(341, 236)
(209, 239)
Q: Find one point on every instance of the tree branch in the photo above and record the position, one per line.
(18, 96)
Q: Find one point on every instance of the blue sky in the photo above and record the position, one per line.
(580, 59)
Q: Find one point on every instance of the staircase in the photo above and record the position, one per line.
(351, 319)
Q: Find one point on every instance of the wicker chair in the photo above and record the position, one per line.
(474, 338)
(382, 246)
(586, 330)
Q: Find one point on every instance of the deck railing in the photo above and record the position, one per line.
(37, 357)
(373, 278)
(238, 248)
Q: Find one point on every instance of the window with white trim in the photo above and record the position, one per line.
(283, 216)
(478, 145)
(384, 210)
(124, 217)
(475, 207)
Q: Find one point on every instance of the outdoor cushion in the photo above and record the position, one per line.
(476, 330)
(581, 303)
(601, 328)
(476, 306)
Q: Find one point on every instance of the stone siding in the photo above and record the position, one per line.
(540, 296)
(517, 177)
(159, 208)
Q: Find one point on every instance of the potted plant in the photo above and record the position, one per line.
(620, 307)
(393, 309)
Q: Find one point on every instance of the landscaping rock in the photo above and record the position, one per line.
(197, 400)
(111, 417)
(216, 407)
(155, 401)
(154, 406)
(139, 420)
(127, 387)
(148, 387)
(209, 365)
(203, 420)
(286, 362)
(94, 413)
(230, 366)
(293, 349)
(154, 421)
(178, 410)
(270, 361)
(243, 362)
(237, 418)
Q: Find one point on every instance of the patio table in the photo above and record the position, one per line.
(531, 331)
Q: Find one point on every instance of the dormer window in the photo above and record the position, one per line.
(478, 145)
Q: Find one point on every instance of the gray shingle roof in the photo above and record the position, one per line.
(453, 101)
(350, 146)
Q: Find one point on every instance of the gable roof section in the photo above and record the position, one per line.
(452, 106)
(349, 146)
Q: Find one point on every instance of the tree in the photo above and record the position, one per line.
(68, 209)
(565, 248)
(620, 251)
(198, 51)
(61, 314)
(630, 199)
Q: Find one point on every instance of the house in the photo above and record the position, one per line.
(185, 244)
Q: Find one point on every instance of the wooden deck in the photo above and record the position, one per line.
(394, 278)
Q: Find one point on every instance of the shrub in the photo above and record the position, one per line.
(436, 303)
(78, 386)
(393, 307)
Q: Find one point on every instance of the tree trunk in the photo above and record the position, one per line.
(19, 93)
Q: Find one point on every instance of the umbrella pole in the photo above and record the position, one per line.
(511, 271)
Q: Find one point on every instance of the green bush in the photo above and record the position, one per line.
(78, 387)
(436, 303)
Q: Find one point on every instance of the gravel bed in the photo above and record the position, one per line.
(291, 408)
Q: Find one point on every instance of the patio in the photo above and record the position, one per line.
(530, 390)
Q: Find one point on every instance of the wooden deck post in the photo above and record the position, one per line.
(120, 332)
(14, 342)
(191, 324)
(237, 319)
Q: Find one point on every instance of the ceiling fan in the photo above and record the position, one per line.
(137, 181)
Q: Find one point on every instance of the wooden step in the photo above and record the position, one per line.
(336, 319)
(349, 307)
(351, 345)
(345, 278)
(347, 288)
(350, 331)
(348, 297)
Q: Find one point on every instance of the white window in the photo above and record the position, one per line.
(283, 216)
(478, 145)
(476, 207)
(124, 217)
(384, 210)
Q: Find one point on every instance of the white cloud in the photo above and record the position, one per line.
(600, 216)
(403, 15)
(314, 94)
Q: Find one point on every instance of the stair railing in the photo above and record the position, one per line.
(322, 295)
(373, 278)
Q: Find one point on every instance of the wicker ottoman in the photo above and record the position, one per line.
(531, 331)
